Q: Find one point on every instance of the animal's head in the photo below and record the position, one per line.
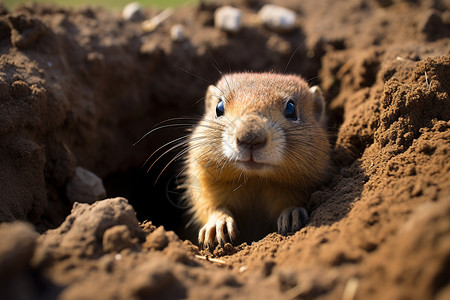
(265, 124)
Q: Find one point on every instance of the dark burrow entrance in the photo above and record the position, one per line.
(154, 199)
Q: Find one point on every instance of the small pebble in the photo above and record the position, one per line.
(228, 19)
(132, 11)
(85, 187)
(277, 18)
(177, 33)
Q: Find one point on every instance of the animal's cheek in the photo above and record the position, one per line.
(273, 152)
(228, 144)
(277, 143)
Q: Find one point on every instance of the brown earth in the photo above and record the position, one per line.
(79, 87)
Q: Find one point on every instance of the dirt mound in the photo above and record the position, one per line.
(79, 87)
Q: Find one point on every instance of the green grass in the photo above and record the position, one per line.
(112, 4)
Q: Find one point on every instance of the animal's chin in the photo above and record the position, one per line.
(253, 166)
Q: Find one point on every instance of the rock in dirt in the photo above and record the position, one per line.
(228, 19)
(277, 18)
(132, 11)
(177, 33)
(85, 187)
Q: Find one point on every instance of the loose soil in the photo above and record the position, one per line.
(79, 87)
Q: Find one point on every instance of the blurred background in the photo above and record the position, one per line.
(112, 4)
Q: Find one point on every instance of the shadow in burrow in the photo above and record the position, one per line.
(332, 200)
(152, 190)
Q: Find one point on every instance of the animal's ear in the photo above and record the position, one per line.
(318, 104)
(211, 98)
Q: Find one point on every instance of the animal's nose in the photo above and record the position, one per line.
(252, 132)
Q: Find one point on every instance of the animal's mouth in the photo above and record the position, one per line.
(252, 165)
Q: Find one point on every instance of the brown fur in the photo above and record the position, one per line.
(250, 201)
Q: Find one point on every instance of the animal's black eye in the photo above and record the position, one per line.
(220, 109)
(289, 111)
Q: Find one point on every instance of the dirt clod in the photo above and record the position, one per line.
(118, 238)
(157, 240)
(25, 31)
(17, 248)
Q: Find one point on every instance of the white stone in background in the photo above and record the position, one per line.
(277, 18)
(228, 19)
(85, 187)
(177, 33)
(132, 11)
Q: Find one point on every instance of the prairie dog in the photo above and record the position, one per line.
(255, 156)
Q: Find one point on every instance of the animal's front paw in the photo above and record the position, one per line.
(220, 228)
(292, 219)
